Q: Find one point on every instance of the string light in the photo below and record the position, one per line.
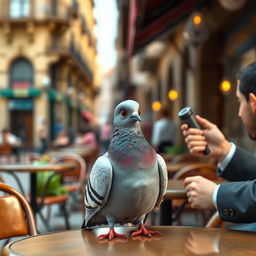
(225, 86)
(197, 20)
(156, 105)
(173, 95)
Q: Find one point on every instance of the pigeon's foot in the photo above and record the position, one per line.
(112, 234)
(144, 232)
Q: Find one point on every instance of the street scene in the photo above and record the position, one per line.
(131, 119)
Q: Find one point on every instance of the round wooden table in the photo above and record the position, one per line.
(174, 241)
(32, 170)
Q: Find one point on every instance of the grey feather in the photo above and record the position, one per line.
(163, 178)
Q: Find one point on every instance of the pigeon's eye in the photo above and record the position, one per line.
(124, 113)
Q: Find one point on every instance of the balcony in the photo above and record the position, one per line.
(69, 52)
(38, 11)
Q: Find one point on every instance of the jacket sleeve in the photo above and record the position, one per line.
(242, 167)
(236, 201)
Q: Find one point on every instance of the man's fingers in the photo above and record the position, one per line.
(204, 123)
(197, 150)
(189, 183)
(192, 138)
(192, 131)
(184, 127)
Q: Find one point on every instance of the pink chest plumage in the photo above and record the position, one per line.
(134, 158)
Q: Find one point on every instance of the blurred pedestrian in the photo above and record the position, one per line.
(164, 132)
(42, 131)
(86, 137)
(105, 136)
(62, 140)
(10, 143)
(58, 127)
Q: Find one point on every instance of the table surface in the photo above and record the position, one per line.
(173, 241)
(37, 168)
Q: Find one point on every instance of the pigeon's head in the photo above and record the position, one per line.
(127, 114)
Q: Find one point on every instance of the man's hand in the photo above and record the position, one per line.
(199, 192)
(198, 139)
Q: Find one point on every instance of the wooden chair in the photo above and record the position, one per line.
(16, 215)
(6, 153)
(185, 157)
(215, 221)
(206, 170)
(74, 181)
(49, 200)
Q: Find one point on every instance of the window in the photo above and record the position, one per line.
(19, 8)
(21, 74)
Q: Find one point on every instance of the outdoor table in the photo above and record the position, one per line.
(32, 170)
(173, 241)
(175, 190)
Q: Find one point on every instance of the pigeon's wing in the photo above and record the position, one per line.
(98, 187)
(163, 179)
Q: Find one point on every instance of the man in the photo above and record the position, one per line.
(235, 200)
(43, 135)
(9, 143)
(164, 132)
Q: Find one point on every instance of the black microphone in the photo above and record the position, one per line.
(186, 116)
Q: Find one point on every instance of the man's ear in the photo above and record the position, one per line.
(252, 98)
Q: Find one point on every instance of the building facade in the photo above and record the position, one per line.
(189, 47)
(47, 64)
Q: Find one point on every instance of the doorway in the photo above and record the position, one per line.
(21, 124)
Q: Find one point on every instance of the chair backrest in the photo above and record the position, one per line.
(16, 215)
(215, 221)
(80, 171)
(206, 170)
(5, 149)
(185, 157)
(32, 156)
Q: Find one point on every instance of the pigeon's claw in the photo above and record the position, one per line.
(112, 234)
(144, 232)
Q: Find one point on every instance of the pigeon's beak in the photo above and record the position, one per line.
(136, 116)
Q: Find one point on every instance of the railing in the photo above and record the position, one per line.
(68, 49)
(34, 9)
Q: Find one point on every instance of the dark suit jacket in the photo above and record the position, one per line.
(236, 200)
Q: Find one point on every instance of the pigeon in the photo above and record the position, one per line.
(128, 181)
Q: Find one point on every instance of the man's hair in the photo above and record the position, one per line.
(247, 79)
(164, 111)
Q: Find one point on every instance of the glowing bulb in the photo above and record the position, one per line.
(225, 86)
(173, 94)
(156, 105)
(197, 20)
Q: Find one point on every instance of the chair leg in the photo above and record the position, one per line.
(6, 241)
(45, 222)
(65, 215)
(49, 212)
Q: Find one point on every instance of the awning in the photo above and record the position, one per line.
(55, 95)
(20, 93)
(150, 19)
